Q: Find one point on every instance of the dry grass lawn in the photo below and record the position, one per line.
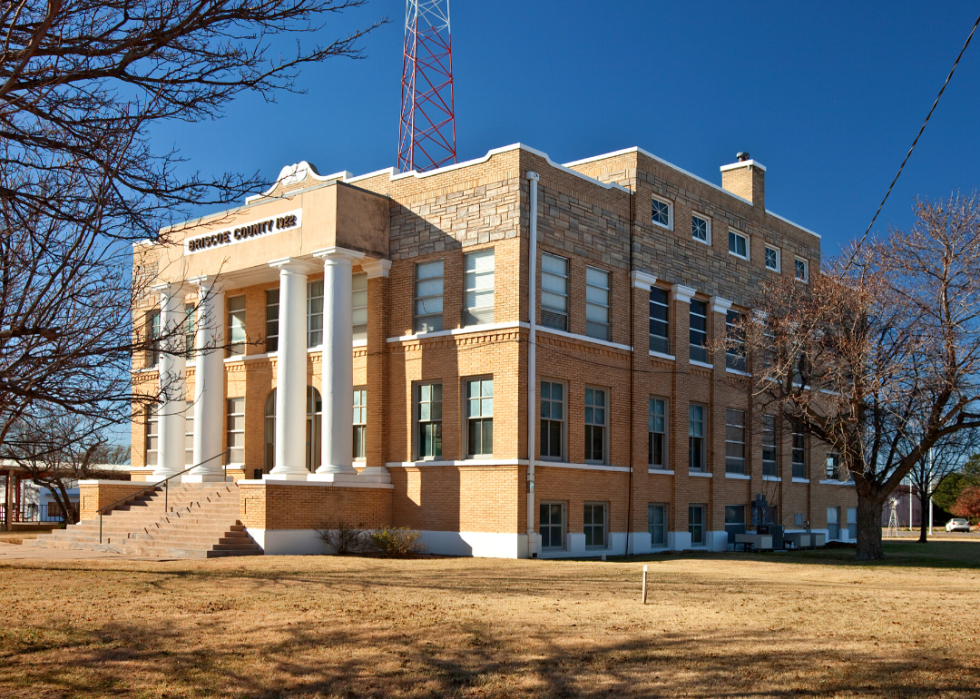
(719, 626)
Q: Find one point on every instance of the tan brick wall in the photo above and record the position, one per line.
(281, 506)
(95, 496)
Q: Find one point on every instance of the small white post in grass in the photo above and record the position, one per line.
(644, 584)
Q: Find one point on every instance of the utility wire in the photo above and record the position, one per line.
(908, 155)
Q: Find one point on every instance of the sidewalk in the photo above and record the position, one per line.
(19, 552)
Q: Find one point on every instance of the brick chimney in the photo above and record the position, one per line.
(747, 179)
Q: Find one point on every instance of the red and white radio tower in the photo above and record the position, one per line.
(427, 133)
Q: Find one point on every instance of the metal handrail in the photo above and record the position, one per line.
(166, 486)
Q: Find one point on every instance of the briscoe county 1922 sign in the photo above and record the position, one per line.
(247, 231)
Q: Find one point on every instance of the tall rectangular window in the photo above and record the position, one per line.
(735, 441)
(799, 450)
(802, 270)
(734, 520)
(189, 434)
(597, 303)
(552, 419)
(479, 417)
(428, 296)
(314, 314)
(735, 340)
(699, 331)
(272, 320)
(770, 466)
(695, 524)
(236, 326)
(153, 336)
(152, 435)
(190, 330)
(657, 523)
(834, 472)
(833, 523)
(429, 411)
(596, 524)
(595, 425)
(552, 526)
(360, 423)
(554, 292)
(236, 430)
(695, 438)
(359, 305)
(478, 292)
(659, 321)
(657, 442)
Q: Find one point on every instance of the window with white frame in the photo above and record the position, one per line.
(552, 525)
(596, 524)
(190, 330)
(236, 326)
(552, 420)
(428, 296)
(428, 398)
(735, 441)
(595, 425)
(659, 320)
(770, 466)
(359, 305)
(554, 291)
(834, 470)
(597, 303)
(663, 214)
(657, 442)
(696, 524)
(735, 340)
(695, 437)
(314, 314)
(701, 228)
(478, 294)
(699, 331)
(151, 425)
(189, 433)
(153, 337)
(272, 320)
(772, 258)
(657, 523)
(479, 417)
(236, 430)
(360, 423)
(799, 450)
(738, 244)
(802, 270)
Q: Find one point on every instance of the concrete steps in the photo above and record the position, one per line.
(200, 520)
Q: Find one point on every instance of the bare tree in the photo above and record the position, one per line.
(878, 356)
(939, 463)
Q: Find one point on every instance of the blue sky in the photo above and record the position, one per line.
(827, 95)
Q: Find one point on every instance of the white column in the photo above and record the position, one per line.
(337, 365)
(172, 387)
(209, 383)
(291, 372)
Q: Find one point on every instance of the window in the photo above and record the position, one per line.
(597, 303)
(552, 526)
(429, 411)
(478, 294)
(554, 292)
(595, 524)
(236, 326)
(359, 305)
(153, 335)
(236, 430)
(189, 434)
(190, 330)
(314, 314)
(657, 445)
(734, 520)
(314, 416)
(699, 331)
(695, 439)
(695, 524)
(833, 523)
(479, 417)
(799, 450)
(657, 524)
(663, 214)
(272, 320)
(798, 519)
(802, 270)
(270, 432)
(152, 431)
(738, 244)
(552, 419)
(772, 258)
(360, 423)
(834, 472)
(735, 340)
(701, 229)
(659, 321)
(734, 441)
(595, 425)
(428, 296)
(852, 523)
(769, 463)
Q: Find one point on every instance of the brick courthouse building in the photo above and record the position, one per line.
(381, 333)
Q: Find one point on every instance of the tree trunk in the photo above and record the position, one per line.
(924, 509)
(869, 527)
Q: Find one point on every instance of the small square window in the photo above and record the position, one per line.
(738, 244)
(802, 270)
(701, 229)
(663, 214)
(772, 258)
